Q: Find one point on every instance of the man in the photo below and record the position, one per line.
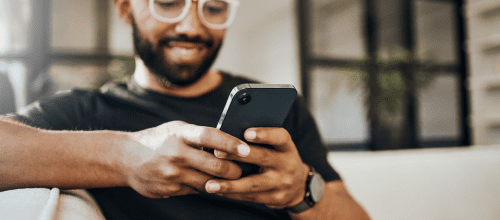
(140, 157)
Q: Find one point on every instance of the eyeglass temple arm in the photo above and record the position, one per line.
(236, 2)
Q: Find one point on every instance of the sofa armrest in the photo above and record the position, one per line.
(45, 204)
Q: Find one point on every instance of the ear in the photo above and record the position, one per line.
(124, 11)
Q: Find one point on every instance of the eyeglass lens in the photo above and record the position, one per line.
(213, 11)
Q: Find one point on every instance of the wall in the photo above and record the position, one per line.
(483, 20)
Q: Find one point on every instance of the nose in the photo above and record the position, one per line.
(191, 24)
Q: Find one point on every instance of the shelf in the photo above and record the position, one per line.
(484, 9)
(490, 121)
(485, 83)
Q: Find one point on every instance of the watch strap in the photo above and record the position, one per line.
(302, 206)
(305, 204)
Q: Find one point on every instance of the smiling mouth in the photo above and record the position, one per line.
(185, 45)
(185, 51)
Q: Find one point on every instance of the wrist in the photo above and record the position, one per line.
(305, 169)
(314, 188)
(132, 153)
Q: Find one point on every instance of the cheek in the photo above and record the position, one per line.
(218, 35)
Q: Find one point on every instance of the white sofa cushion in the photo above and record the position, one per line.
(443, 183)
(45, 204)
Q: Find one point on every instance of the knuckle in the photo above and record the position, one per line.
(226, 187)
(231, 146)
(288, 182)
(170, 173)
(170, 189)
(218, 167)
(262, 134)
(249, 197)
(175, 157)
(173, 188)
(279, 198)
(264, 157)
(284, 136)
(193, 133)
(254, 187)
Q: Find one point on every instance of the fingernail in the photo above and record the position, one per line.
(220, 154)
(243, 150)
(212, 187)
(251, 134)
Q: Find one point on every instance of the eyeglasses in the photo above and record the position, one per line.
(215, 14)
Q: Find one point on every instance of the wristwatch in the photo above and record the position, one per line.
(314, 192)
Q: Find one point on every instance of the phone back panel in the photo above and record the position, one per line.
(268, 106)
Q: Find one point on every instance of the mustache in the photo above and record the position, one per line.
(184, 38)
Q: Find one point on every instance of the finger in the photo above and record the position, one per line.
(276, 207)
(185, 190)
(279, 138)
(220, 154)
(165, 191)
(209, 164)
(194, 178)
(270, 199)
(261, 156)
(249, 184)
(207, 137)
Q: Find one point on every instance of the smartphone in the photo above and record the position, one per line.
(256, 105)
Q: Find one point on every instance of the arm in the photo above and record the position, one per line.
(336, 203)
(31, 157)
(157, 162)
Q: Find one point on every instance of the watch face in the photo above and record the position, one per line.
(316, 188)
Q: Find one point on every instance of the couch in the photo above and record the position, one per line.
(440, 183)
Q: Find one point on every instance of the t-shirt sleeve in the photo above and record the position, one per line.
(306, 137)
(64, 111)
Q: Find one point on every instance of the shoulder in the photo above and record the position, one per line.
(64, 110)
(236, 79)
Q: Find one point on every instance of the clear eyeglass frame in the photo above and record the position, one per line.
(233, 4)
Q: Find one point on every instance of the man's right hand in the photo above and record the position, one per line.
(167, 161)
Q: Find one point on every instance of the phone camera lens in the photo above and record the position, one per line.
(245, 98)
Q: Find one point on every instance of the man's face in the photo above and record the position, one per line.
(177, 53)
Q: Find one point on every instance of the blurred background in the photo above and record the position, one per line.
(420, 76)
(376, 74)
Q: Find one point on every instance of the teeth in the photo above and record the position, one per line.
(183, 51)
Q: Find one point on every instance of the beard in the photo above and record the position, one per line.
(169, 73)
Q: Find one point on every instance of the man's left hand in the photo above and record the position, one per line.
(281, 181)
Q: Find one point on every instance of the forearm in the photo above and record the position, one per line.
(31, 157)
(335, 204)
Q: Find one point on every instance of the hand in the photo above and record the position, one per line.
(282, 180)
(166, 161)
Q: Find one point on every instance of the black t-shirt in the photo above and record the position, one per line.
(125, 106)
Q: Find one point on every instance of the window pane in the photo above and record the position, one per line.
(14, 24)
(389, 23)
(16, 72)
(436, 34)
(74, 26)
(439, 110)
(338, 106)
(337, 28)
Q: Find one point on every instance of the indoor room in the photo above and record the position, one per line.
(404, 93)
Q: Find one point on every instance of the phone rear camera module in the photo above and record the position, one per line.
(245, 98)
